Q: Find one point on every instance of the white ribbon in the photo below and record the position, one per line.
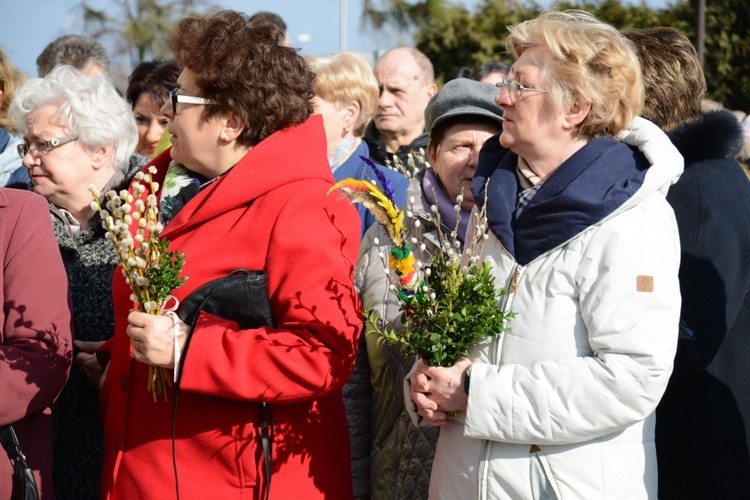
(170, 311)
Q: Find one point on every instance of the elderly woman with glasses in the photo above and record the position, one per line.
(583, 239)
(257, 406)
(458, 119)
(78, 131)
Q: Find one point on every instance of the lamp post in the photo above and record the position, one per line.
(343, 26)
(701, 31)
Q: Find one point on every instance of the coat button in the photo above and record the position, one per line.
(123, 382)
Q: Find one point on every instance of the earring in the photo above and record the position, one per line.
(345, 132)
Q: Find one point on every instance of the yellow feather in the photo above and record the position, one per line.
(379, 205)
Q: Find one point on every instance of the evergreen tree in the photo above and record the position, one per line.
(139, 28)
(464, 39)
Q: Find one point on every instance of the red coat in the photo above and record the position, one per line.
(271, 212)
(36, 344)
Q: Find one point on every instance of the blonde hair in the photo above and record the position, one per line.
(591, 62)
(345, 77)
(8, 80)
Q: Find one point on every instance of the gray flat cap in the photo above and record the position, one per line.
(462, 97)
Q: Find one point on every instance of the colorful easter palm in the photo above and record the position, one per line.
(449, 299)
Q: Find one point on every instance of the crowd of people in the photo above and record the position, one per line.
(604, 180)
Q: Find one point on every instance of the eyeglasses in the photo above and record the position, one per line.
(515, 89)
(186, 99)
(41, 148)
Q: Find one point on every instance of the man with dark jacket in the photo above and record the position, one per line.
(407, 82)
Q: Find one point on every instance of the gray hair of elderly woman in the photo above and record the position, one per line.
(90, 107)
(590, 62)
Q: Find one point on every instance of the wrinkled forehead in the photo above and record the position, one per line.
(403, 70)
(534, 60)
(44, 119)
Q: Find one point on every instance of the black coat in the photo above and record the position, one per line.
(380, 155)
(703, 421)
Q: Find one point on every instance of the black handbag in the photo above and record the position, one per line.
(24, 484)
(240, 296)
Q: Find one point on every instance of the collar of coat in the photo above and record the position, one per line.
(716, 134)
(289, 155)
(378, 150)
(4, 139)
(585, 189)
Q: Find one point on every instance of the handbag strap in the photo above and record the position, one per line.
(10, 443)
(266, 420)
(266, 432)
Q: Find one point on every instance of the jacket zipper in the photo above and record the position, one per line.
(514, 279)
(511, 287)
(484, 468)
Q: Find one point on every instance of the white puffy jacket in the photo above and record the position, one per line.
(586, 362)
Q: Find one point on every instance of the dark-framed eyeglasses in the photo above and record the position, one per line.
(175, 97)
(515, 89)
(41, 148)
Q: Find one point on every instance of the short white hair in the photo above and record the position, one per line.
(91, 107)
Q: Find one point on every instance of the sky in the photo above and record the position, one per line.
(27, 26)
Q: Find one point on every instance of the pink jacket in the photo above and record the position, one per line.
(36, 344)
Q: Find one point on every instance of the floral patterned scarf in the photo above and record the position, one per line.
(180, 186)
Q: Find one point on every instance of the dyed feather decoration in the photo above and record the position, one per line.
(387, 190)
(379, 205)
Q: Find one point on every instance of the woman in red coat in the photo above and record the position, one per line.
(245, 186)
(36, 344)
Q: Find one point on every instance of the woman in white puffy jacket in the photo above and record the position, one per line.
(583, 239)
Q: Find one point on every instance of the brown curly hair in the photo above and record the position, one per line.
(243, 68)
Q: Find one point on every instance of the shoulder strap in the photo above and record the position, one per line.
(10, 443)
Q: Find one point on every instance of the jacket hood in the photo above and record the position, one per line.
(414, 190)
(666, 161)
(300, 149)
(600, 180)
(716, 134)
(9, 160)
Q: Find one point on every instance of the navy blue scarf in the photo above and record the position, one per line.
(586, 188)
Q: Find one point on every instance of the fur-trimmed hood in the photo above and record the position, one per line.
(717, 134)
